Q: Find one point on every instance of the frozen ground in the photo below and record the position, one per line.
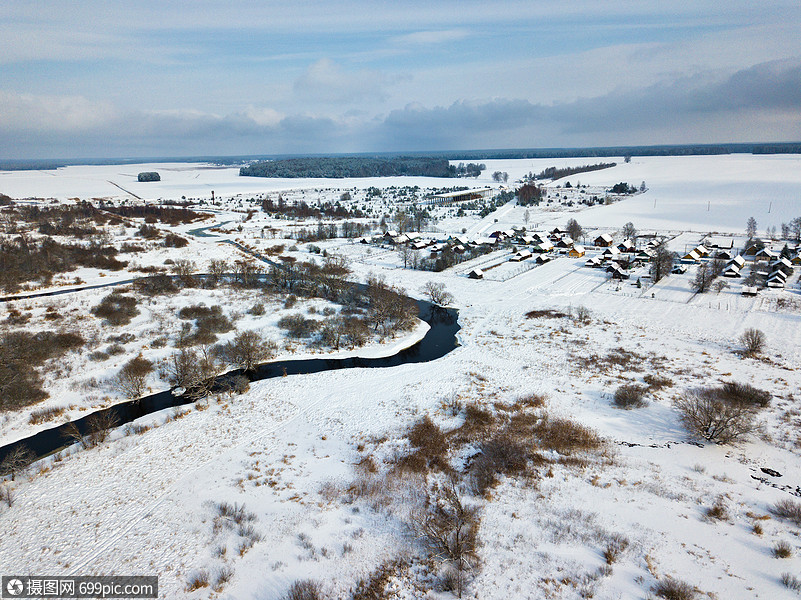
(289, 448)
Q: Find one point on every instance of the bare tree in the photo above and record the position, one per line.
(246, 350)
(17, 460)
(450, 528)
(132, 378)
(574, 230)
(629, 231)
(711, 415)
(217, 268)
(703, 278)
(753, 340)
(437, 293)
(184, 269)
(662, 262)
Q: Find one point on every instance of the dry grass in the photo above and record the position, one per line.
(565, 436)
(46, 414)
(657, 382)
(197, 580)
(782, 550)
(789, 510)
(547, 313)
(717, 512)
(673, 589)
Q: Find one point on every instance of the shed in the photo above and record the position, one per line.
(749, 290)
(476, 274)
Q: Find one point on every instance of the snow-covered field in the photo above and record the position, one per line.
(293, 449)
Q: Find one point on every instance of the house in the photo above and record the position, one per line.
(691, 257)
(545, 246)
(702, 251)
(731, 271)
(565, 242)
(738, 260)
(724, 254)
(388, 235)
(626, 246)
(796, 260)
(604, 240)
(749, 290)
(764, 254)
(782, 264)
(720, 243)
(593, 262)
(521, 255)
(776, 282)
(618, 273)
(419, 245)
(557, 232)
(542, 259)
(577, 251)
(611, 253)
(476, 274)
(643, 256)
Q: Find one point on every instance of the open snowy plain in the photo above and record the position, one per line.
(318, 460)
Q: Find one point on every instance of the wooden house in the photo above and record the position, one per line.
(603, 241)
(577, 251)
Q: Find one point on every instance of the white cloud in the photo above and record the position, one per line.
(52, 113)
(327, 82)
(427, 38)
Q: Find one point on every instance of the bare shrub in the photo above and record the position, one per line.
(565, 436)
(477, 422)
(657, 382)
(100, 424)
(222, 576)
(304, 589)
(787, 509)
(615, 546)
(374, 586)
(499, 456)
(791, 582)
(630, 396)
(132, 378)
(674, 589)
(257, 309)
(298, 326)
(116, 309)
(581, 314)
(709, 413)
(246, 350)
(547, 313)
(717, 512)
(745, 393)
(428, 438)
(198, 579)
(782, 550)
(437, 293)
(753, 340)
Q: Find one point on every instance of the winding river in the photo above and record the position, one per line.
(438, 341)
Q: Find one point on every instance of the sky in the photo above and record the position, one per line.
(204, 77)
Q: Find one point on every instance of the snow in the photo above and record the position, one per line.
(288, 448)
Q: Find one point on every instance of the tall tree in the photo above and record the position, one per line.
(751, 227)
(662, 262)
(629, 231)
(574, 230)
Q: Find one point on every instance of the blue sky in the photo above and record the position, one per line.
(115, 79)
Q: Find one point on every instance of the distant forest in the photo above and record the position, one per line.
(357, 166)
(473, 155)
(554, 173)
